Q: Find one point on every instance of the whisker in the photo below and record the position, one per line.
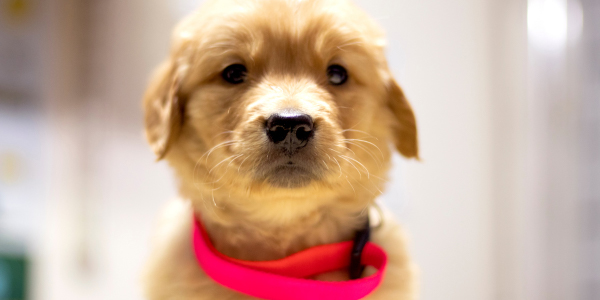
(359, 121)
(377, 177)
(229, 164)
(377, 161)
(195, 181)
(346, 107)
(229, 157)
(226, 168)
(362, 212)
(377, 188)
(359, 173)
(347, 148)
(350, 185)
(213, 197)
(359, 140)
(223, 144)
(358, 162)
(222, 133)
(360, 131)
(336, 161)
(243, 161)
(338, 152)
(366, 189)
(326, 166)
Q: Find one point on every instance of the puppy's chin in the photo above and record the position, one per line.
(290, 176)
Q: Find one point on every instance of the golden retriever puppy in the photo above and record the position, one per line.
(279, 118)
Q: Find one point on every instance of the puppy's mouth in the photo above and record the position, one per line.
(289, 173)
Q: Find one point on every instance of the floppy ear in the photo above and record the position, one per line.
(404, 126)
(163, 109)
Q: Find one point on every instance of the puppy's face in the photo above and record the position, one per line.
(278, 98)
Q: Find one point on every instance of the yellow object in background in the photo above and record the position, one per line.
(10, 168)
(16, 10)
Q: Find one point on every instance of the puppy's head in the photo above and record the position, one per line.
(277, 99)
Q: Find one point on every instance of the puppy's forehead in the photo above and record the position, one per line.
(278, 32)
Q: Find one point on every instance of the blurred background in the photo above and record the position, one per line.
(504, 205)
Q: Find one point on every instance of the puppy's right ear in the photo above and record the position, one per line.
(163, 109)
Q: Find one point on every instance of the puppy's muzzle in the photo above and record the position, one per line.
(290, 130)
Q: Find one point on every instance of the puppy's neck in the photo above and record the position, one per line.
(242, 234)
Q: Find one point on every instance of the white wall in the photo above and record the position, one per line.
(104, 189)
(440, 52)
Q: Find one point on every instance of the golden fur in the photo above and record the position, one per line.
(212, 134)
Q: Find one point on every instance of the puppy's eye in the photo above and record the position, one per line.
(235, 74)
(337, 74)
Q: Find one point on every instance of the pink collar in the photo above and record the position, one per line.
(287, 278)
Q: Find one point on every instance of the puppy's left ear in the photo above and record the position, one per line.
(404, 126)
(163, 109)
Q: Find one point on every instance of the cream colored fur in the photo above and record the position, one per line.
(212, 133)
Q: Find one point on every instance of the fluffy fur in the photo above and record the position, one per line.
(212, 133)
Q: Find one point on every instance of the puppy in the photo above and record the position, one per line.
(279, 118)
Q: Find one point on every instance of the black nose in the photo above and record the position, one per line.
(290, 130)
